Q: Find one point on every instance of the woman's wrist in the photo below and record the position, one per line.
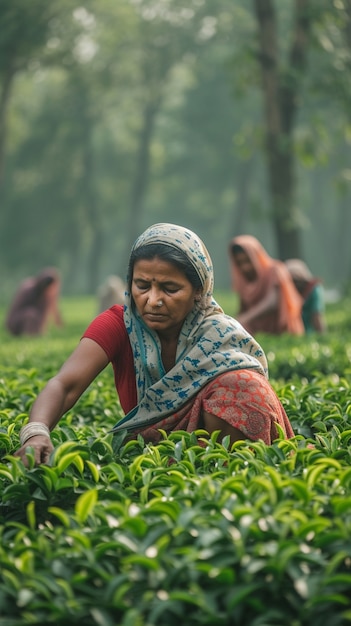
(33, 429)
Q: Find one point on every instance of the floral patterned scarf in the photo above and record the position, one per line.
(209, 343)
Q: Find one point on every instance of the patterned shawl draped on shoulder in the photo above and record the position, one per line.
(209, 343)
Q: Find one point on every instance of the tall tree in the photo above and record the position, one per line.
(282, 84)
(168, 34)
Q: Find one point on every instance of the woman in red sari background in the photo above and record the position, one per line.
(269, 300)
(35, 304)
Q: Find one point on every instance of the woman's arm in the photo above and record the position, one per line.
(269, 303)
(53, 309)
(59, 395)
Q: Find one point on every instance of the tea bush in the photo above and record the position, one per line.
(190, 531)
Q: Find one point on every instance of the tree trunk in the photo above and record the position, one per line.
(280, 91)
(282, 191)
(244, 176)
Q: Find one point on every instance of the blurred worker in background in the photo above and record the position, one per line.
(269, 300)
(111, 292)
(35, 304)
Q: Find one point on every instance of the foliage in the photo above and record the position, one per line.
(115, 531)
(121, 114)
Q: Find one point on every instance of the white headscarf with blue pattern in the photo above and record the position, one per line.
(209, 343)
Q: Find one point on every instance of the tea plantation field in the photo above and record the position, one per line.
(128, 534)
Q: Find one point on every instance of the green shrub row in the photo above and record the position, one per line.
(119, 532)
(113, 533)
(189, 531)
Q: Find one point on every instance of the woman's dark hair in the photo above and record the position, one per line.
(236, 249)
(166, 253)
(42, 283)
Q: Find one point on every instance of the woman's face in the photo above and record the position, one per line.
(157, 280)
(244, 265)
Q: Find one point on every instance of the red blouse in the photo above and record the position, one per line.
(109, 331)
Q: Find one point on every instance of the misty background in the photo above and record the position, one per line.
(224, 116)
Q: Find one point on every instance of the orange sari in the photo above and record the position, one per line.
(271, 274)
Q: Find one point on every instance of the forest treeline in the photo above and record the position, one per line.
(224, 116)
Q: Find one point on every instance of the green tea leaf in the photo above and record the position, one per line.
(85, 504)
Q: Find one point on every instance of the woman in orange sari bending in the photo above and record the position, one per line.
(269, 300)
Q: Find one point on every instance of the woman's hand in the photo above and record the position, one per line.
(42, 447)
(266, 305)
(58, 396)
